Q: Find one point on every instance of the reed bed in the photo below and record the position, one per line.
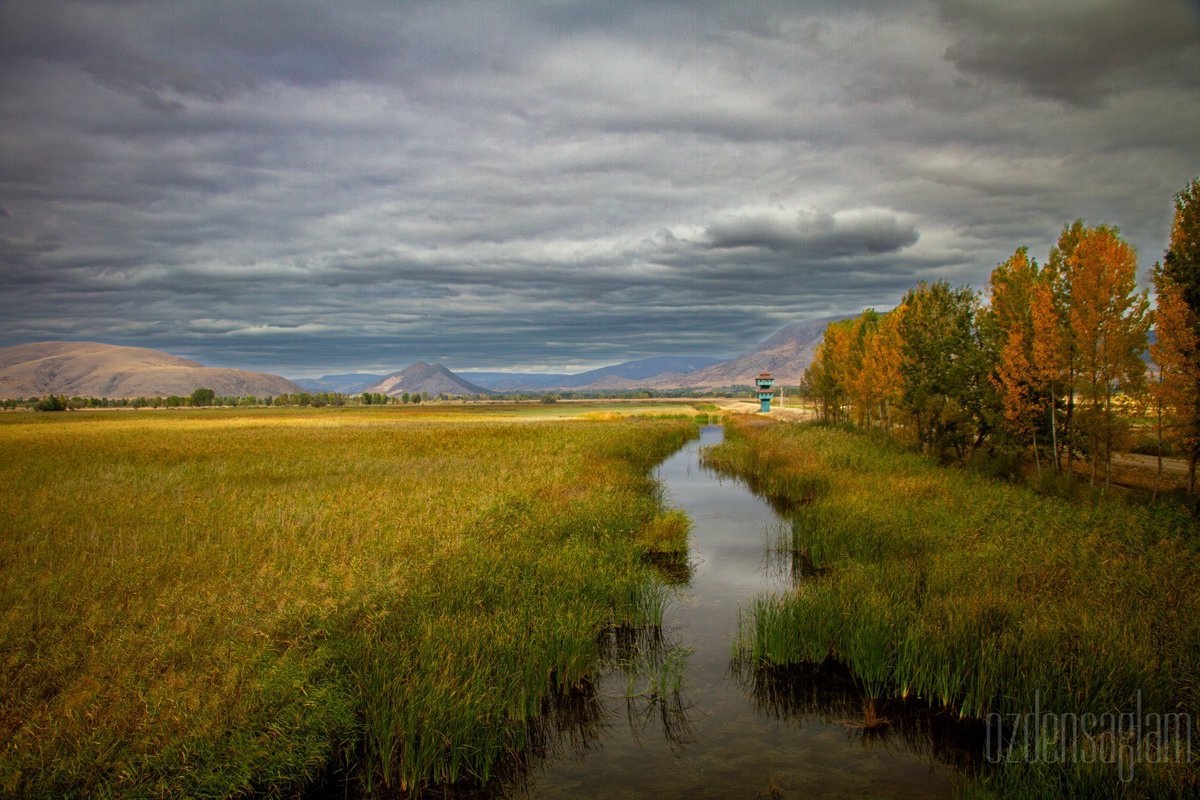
(221, 603)
(979, 597)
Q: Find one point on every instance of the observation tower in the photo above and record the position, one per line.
(765, 382)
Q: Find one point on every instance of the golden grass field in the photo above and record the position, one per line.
(217, 602)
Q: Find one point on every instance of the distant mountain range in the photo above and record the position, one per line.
(785, 354)
(640, 369)
(92, 369)
(348, 383)
(104, 370)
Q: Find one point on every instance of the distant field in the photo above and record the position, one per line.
(586, 408)
(213, 602)
(446, 409)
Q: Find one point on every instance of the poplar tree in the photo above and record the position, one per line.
(1049, 352)
(860, 382)
(1058, 275)
(1177, 328)
(1008, 329)
(1175, 353)
(826, 376)
(1181, 262)
(881, 363)
(1109, 321)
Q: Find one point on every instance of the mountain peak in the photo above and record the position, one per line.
(432, 379)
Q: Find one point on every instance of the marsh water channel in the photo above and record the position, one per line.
(676, 716)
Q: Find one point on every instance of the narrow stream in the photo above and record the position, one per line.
(722, 734)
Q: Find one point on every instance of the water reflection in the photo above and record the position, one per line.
(784, 562)
(675, 569)
(829, 694)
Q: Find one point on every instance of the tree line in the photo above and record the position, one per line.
(1053, 365)
(207, 398)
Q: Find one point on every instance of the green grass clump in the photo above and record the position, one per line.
(217, 603)
(975, 595)
(666, 533)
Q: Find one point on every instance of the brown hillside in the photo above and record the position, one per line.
(93, 369)
(785, 354)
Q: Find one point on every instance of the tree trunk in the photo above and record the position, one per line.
(1108, 441)
(1071, 428)
(1193, 423)
(1094, 445)
(1158, 433)
(1054, 430)
(1036, 459)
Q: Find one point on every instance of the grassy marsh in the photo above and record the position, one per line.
(214, 603)
(977, 596)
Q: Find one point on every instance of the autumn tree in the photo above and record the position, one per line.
(826, 377)
(1177, 328)
(1057, 274)
(1181, 262)
(881, 361)
(1108, 322)
(859, 380)
(1049, 352)
(1007, 329)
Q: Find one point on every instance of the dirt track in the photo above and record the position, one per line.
(793, 413)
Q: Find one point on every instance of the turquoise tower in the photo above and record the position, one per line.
(765, 382)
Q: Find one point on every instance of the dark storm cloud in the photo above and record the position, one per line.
(820, 235)
(311, 187)
(1078, 52)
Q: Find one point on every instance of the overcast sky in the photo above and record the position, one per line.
(316, 187)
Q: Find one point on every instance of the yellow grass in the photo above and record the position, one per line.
(216, 602)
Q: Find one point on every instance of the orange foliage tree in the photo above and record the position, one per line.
(1177, 328)
(1108, 321)
(855, 372)
(825, 378)
(881, 362)
(1049, 351)
(1057, 274)
(1008, 328)
(1176, 353)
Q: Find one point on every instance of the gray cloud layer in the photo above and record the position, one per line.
(321, 187)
